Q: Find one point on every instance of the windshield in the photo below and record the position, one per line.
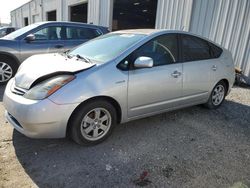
(21, 31)
(106, 47)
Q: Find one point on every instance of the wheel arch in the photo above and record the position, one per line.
(111, 100)
(11, 56)
(226, 83)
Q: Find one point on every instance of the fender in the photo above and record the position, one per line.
(12, 56)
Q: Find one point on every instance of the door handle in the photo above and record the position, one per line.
(176, 74)
(214, 67)
(59, 46)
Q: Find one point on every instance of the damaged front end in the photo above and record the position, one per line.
(42, 75)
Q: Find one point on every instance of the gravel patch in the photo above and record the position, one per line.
(192, 147)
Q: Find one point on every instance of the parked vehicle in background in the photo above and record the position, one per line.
(6, 30)
(84, 93)
(43, 37)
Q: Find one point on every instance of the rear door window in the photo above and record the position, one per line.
(9, 30)
(83, 33)
(194, 48)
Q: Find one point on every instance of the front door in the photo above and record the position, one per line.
(158, 88)
(47, 40)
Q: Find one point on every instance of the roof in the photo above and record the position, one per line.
(151, 31)
(162, 31)
(68, 23)
(139, 31)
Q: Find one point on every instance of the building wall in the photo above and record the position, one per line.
(172, 14)
(35, 10)
(51, 5)
(226, 22)
(106, 13)
(66, 6)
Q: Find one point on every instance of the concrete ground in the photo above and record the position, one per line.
(192, 147)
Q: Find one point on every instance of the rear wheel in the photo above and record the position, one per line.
(93, 122)
(8, 69)
(217, 96)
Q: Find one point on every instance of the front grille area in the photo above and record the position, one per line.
(14, 119)
(18, 91)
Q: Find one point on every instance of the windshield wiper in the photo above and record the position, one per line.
(87, 60)
(66, 53)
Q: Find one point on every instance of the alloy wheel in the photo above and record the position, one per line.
(218, 95)
(95, 124)
(6, 72)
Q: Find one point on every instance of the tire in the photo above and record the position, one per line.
(8, 69)
(92, 122)
(217, 96)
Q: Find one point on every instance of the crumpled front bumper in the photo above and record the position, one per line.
(36, 118)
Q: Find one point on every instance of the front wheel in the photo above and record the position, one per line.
(93, 122)
(7, 70)
(217, 96)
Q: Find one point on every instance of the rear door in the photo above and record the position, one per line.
(76, 35)
(47, 40)
(155, 89)
(197, 68)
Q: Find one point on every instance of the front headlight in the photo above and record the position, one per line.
(48, 87)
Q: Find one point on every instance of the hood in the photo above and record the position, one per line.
(38, 66)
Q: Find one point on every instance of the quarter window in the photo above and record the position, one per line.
(215, 50)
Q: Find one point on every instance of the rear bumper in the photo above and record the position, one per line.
(36, 119)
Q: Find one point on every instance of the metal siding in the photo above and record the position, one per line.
(172, 14)
(93, 11)
(106, 13)
(226, 22)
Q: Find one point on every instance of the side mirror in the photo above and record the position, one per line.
(30, 37)
(144, 62)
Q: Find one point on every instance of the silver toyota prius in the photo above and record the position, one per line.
(116, 78)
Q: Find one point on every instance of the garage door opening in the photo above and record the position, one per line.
(78, 13)
(131, 14)
(26, 21)
(51, 16)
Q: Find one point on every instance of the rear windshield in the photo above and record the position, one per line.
(107, 47)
